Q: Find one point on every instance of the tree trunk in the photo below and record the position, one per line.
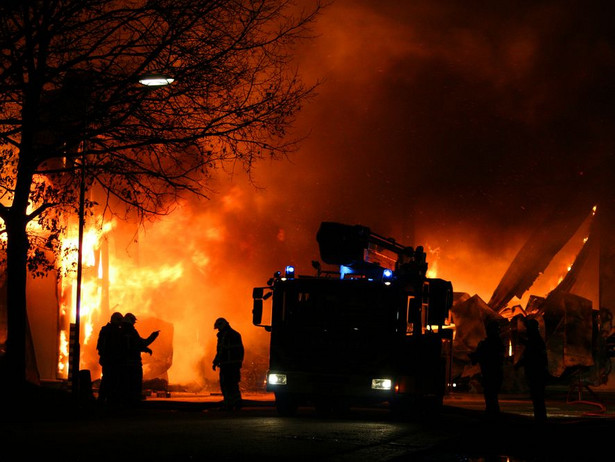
(15, 219)
(16, 270)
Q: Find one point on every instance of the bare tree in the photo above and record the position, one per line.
(71, 103)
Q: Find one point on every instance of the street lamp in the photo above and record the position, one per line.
(155, 80)
(149, 80)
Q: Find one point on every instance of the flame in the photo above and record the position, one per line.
(153, 275)
(63, 355)
(120, 275)
(432, 259)
(91, 288)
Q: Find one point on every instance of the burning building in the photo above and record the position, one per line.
(573, 316)
(178, 285)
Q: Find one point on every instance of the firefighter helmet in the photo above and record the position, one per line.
(220, 323)
(117, 318)
(130, 318)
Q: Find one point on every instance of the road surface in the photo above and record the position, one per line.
(188, 428)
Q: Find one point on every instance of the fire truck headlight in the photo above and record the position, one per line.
(276, 379)
(382, 384)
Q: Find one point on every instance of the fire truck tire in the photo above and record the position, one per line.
(286, 404)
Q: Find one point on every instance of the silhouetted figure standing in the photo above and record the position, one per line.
(229, 358)
(535, 364)
(111, 355)
(133, 366)
(489, 355)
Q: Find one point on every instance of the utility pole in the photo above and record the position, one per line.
(74, 366)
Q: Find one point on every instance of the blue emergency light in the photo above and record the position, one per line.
(290, 272)
(344, 270)
(387, 276)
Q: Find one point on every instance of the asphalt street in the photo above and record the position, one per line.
(185, 426)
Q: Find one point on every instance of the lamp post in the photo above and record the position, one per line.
(77, 329)
(149, 80)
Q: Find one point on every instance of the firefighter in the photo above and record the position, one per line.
(229, 358)
(489, 355)
(134, 345)
(110, 352)
(534, 361)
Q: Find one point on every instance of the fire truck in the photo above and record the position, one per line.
(371, 331)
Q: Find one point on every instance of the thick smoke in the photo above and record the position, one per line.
(456, 125)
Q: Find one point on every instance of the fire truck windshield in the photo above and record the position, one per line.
(339, 306)
(331, 325)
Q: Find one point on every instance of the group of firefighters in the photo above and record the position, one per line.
(120, 346)
(489, 354)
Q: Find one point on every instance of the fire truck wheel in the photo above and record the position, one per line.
(286, 404)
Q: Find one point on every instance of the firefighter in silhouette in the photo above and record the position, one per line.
(489, 354)
(110, 352)
(535, 364)
(134, 345)
(229, 358)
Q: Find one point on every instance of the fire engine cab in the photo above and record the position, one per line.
(371, 331)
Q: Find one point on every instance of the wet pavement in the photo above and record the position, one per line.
(578, 428)
(561, 406)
